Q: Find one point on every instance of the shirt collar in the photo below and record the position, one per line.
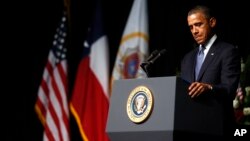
(210, 42)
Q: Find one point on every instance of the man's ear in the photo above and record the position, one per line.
(212, 22)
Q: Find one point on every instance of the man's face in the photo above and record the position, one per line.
(200, 27)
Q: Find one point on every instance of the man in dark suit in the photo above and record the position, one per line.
(217, 78)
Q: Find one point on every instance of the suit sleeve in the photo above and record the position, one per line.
(230, 72)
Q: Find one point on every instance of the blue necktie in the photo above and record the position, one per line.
(199, 61)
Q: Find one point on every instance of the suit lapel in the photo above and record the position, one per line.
(192, 72)
(209, 57)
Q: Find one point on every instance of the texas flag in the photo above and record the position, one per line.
(90, 99)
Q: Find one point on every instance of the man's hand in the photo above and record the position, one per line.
(197, 88)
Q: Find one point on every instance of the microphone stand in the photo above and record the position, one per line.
(153, 57)
(145, 66)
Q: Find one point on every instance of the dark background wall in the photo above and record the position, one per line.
(28, 33)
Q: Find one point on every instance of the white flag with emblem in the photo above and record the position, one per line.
(133, 48)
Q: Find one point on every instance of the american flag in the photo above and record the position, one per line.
(52, 104)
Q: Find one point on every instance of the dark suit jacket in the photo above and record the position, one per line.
(221, 69)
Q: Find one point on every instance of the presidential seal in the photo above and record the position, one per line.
(139, 104)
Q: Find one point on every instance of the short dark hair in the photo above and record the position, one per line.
(201, 8)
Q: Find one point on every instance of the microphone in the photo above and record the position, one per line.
(151, 59)
(155, 52)
(145, 64)
(163, 51)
